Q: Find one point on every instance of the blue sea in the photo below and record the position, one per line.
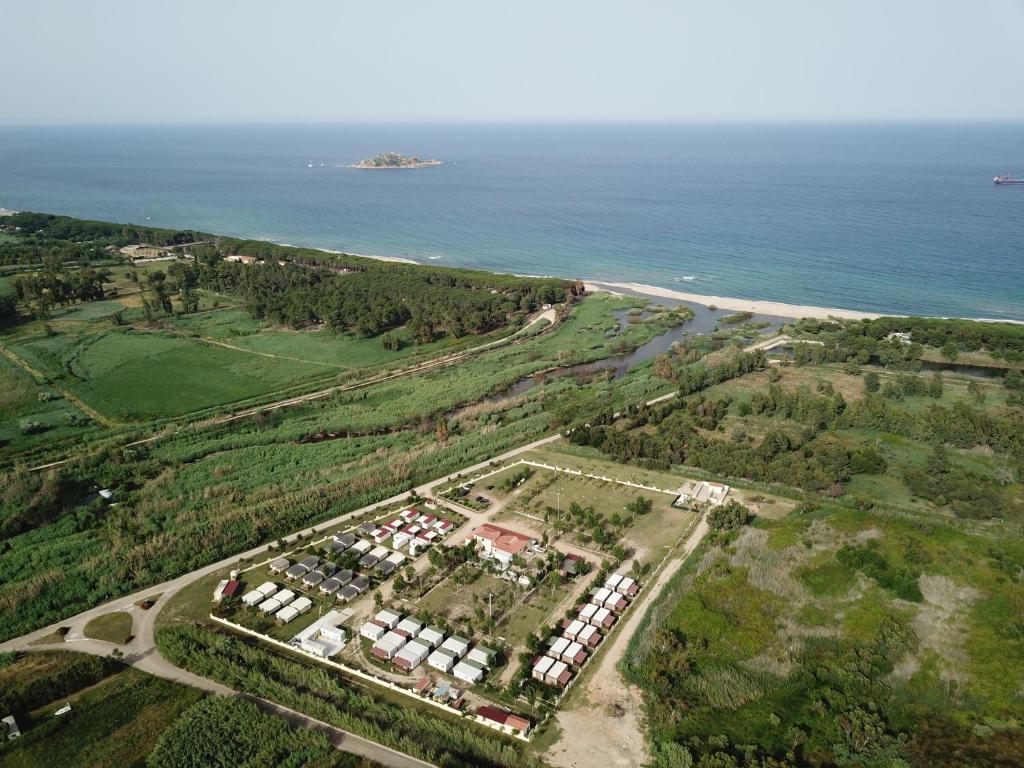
(899, 218)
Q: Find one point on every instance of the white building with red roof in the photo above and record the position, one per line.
(498, 543)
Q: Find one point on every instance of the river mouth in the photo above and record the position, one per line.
(704, 322)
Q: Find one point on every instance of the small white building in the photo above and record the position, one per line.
(558, 674)
(286, 614)
(469, 671)
(457, 645)
(587, 612)
(361, 547)
(218, 593)
(388, 645)
(589, 636)
(302, 604)
(372, 630)
(267, 588)
(481, 654)
(395, 557)
(432, 636)
(253, 598)
(540, 669)
(573, 630)
(557, 648)
(412, 654)
(284, 597)
(442, 659)
(270, 605)
(410, 627)
(388, 618)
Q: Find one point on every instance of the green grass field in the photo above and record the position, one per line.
(134, 376)
(23, 400)
(113, 627)
(113, 723)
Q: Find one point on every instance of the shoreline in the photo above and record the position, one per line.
(756, 306)
(764, 307)
(392, 259)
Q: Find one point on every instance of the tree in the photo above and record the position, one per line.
(950, 350)
(871, 381)
(938, 461)
(728, 516)
(641, 505)
(8, 309)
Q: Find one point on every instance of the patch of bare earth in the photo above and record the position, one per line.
(606, 729)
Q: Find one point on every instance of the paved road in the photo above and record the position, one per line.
(141, 651)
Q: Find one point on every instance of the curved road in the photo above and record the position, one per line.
(141, 651)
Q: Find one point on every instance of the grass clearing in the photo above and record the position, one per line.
(113, 627)
(114, 724)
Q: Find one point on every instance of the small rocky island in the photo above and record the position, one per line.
(394, 160)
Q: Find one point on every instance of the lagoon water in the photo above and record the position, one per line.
(899, 218)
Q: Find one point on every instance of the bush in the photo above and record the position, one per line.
(728, 516)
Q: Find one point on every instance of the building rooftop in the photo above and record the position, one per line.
(503, 539)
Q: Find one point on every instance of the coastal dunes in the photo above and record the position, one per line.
(776, 308)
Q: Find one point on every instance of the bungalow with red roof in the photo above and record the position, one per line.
(500, 544)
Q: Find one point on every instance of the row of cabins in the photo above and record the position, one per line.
(580, 636)
(326, 577)
(407, 643)
(411, 529)
(284, 604)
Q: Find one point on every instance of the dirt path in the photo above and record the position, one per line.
(442, 362)
(609, 721)
(71, 398)
(225, 345)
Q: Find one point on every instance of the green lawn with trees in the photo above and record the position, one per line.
(806, 635)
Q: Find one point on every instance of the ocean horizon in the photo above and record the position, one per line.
(896, 218)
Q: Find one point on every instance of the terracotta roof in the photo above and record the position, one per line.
(502, 539)
(493, 713)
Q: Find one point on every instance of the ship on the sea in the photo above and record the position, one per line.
(1007, 179)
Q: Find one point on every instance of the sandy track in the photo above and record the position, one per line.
(610, 721)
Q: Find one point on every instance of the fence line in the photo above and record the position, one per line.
(367, 677)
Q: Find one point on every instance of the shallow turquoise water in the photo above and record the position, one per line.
(894, 218)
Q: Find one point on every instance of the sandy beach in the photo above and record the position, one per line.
(739, 305)
(398, 259)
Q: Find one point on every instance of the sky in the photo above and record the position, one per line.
(143, 61)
